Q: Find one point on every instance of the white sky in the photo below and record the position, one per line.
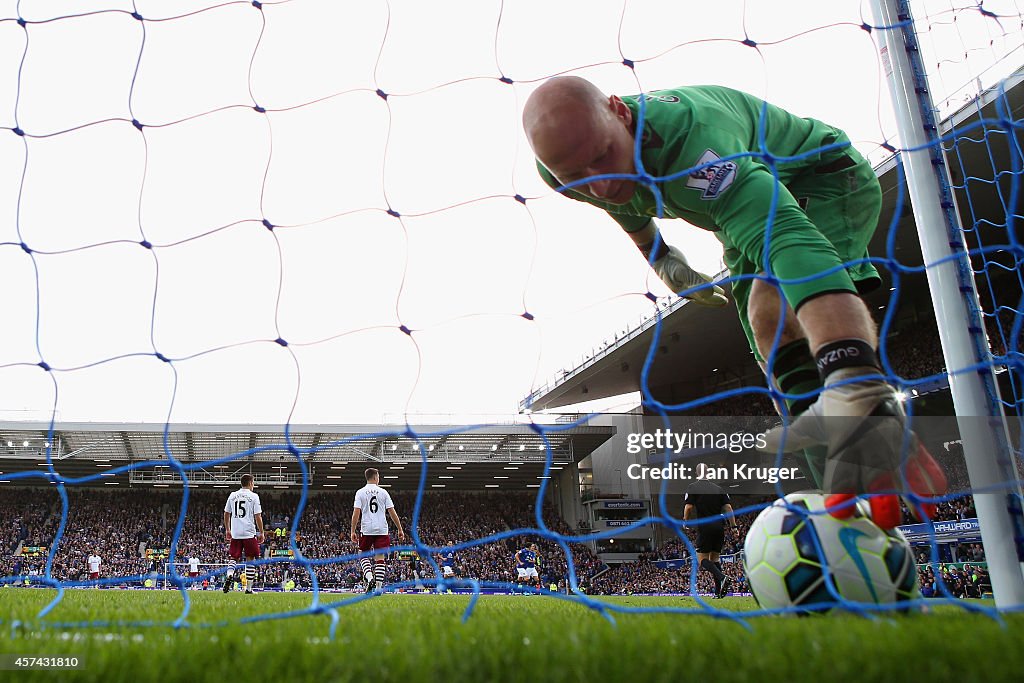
(340, 276)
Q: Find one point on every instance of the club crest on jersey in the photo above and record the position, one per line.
(713, 178)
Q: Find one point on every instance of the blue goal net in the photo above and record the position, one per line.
(301, 214)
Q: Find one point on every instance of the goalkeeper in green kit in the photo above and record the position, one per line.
(700, 146)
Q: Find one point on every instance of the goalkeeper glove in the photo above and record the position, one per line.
(678, 276)
(865, 429)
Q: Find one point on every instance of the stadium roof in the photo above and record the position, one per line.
(502, 456)
(696, 340)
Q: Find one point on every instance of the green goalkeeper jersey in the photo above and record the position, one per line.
(708, 148)
(695, 127)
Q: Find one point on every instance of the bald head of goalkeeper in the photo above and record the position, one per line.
(578, 132)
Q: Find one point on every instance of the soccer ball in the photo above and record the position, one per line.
(784, 568)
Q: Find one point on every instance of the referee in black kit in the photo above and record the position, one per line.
(705, 498)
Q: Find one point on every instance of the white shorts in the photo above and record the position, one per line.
(446, 570)
(526, 572)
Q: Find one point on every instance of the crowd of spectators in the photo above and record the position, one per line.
(645, 576)
(961, 580)
(962, 552)
(956, 509)
(134, 543)
(18, 516)
(131, 530)
(915, 355)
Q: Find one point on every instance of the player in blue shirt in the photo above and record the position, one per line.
(526, 566)
(447, 562)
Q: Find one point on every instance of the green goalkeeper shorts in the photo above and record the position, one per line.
(843, 199)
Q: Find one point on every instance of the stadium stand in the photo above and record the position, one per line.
(135, 542)
(146, 518)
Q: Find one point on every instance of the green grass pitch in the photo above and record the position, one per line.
(420, 638)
